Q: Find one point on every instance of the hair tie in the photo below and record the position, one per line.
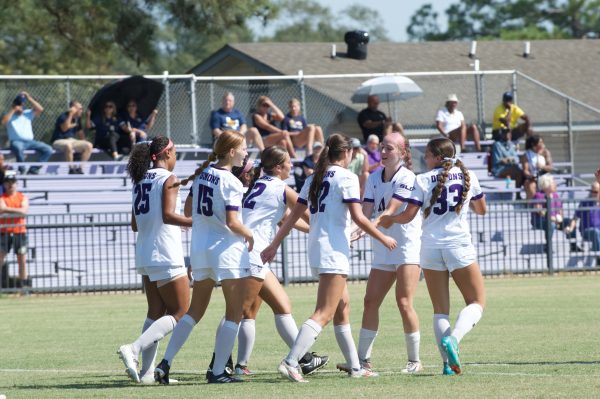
(453, 160)
(169, 146)
(249, 165)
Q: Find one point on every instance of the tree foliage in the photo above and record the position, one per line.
(516, 19)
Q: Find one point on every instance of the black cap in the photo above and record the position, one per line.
(19, 100)
(507, 96)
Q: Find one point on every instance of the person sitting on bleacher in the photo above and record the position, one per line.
(505, 160)
(230, 118)
(536, 161)
(589, 218)
(507, 116)
(450, 122)
(539, 219)
(109, 137)
(134, 125)
(18, 122)
(68, 136)
(265, 120)
(301, 133)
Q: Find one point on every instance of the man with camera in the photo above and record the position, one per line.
(18, 122)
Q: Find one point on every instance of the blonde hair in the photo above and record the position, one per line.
(545, 181)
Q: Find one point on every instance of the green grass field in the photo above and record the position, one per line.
(539, 337)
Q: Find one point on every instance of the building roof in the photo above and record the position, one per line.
(569, 66)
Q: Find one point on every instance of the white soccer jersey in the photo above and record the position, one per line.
(329, 236)
(444, 228)
(157, 244)
(408, 235)
(264, 207)
(214, 192)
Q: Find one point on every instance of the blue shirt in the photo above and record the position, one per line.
(233, 120)
(136, 122)
(503, 149)
(19, 126)
(293, 123)
(588, 218)
(104, 127)
(70, 133)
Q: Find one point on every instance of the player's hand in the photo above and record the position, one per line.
(268, 254)
(385, 221)
(389, 243)
(189, 273)
(250, 243)
(356, 234)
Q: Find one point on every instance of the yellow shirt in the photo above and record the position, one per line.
(501, 111)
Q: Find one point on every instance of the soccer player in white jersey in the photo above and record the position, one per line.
(156, 216)
(445, 194)
(332, 196)
(218, 253)
(266, 203)
(400, 265)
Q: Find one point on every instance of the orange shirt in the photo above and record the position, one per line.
(13, 201)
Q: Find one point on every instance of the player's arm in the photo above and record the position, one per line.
(291, 198)
(407, 216)
(187, 207)
(365, 224)
(169, 203)
(234, 224)
(478, 205)
(134, 227)
(268, 254)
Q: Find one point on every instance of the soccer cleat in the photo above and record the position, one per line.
(364, 364)
(242, 370)
(362, 373)
(161, 372)
(148, 379)
(221, 378)
(450, 345)
(129, 360)
(316, 362)
(447, 370)
(228, 366)
(412, 367)
(290, 372)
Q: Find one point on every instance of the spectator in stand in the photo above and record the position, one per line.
(229, 118)
(588, 214)
(536, 161)
(68, 136)
(373, 153)
(547, 187)
(308, 165)
(359, 164)
(301, 133)
(20, 131)
(372, 121)
(506, 117)
(264, 119)
(13, 233)
(134, 125)
(109, 137)
(450, 122)
(505, 160)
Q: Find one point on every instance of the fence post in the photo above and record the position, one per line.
(549, 231)
(284, 262)
(68, 91)
(479, 82)
(570, 133)
(167, 102)
(302, 93)
(193, 104)
(514, 87)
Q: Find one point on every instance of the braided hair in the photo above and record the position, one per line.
(141, 157)
(444, 148)
(335, 149)
(269, 159)
(226, 141)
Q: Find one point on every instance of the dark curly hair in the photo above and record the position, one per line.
(140, 158)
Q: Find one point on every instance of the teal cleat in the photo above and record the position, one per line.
(450, 345)
(447, 370)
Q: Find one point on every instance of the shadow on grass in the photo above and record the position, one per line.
(538, 363)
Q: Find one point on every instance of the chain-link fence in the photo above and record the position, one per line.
(95, 252)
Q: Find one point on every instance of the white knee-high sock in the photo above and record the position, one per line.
(287, 328)
(180, 335)
(224, 345)
(307, 336)
(154, 333)
(343, 336)
(466, 320)
(413, 344)
(148, 354)
(441, 328)
(246, 338)
(366, 339)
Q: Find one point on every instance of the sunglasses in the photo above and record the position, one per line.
(108, 106)
(593, 191)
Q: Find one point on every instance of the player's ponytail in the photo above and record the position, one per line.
(336, 148)
(143, 154)
(444, 148)
(466, 185)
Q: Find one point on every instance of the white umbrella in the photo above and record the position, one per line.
(388, 88)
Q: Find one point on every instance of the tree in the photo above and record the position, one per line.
(308, 21)
(517, 19)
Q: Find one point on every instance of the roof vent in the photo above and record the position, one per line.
(526, 49)
(357, 41)
(473, 50)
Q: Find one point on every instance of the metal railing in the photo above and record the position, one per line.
(95, 252)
